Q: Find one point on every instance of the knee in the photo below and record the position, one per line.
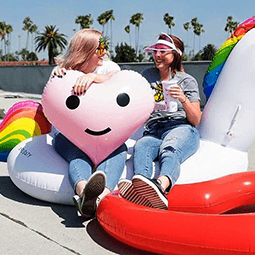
(168, 151)
(142, 143)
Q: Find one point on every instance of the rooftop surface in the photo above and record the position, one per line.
(30, 226)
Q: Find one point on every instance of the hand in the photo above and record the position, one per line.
(83, 83)
(59, 72)
(177, 93)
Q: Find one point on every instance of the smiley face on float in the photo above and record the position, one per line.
(73, 102)
(102, 119)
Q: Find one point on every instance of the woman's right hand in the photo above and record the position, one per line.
(59, 72)
(83, 83)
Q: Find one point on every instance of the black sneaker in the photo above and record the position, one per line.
(127, 190)
(87, 205)
(150, 189)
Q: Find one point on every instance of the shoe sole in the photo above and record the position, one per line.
(145, 188)
(77, 203)
(94, 187)
(127, 190)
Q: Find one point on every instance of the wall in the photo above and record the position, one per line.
(32, 79)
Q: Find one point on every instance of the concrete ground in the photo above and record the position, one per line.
(30, 226)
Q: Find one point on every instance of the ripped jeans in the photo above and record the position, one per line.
(170, 142)
(81, 167)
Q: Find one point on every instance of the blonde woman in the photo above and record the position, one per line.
(87, 53)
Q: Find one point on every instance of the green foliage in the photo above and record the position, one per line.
(231, 25)
(208, 52)
(169, 21)
(30, 28)
(124, 53)
(52, 40)
(84, 21)
(10, 57)
(32, 57)
(197, 57)
(23, 53)
(136, 20)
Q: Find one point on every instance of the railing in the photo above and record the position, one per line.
(32, 79)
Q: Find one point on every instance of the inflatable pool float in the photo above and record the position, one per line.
(195, 225)
(23, 120)
(98, 124)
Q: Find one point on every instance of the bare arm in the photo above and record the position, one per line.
(192, 109)
(84, 82)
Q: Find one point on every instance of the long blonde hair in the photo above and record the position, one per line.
(81, 46)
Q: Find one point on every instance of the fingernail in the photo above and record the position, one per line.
(60, 76)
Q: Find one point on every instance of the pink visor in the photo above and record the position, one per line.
(164, 43)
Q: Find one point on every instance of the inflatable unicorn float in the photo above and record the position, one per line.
(212, 182)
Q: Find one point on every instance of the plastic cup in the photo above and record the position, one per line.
(170, 102)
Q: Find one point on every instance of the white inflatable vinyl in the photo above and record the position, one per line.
(228, 117)
(36, 168)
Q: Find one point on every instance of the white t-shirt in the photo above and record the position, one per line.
(107, 67)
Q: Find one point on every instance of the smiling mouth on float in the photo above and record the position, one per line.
(98, 133)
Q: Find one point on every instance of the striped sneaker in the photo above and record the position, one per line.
(127, 190)
(87, 205)
(150, 189)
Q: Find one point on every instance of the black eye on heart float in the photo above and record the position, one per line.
(73, 102)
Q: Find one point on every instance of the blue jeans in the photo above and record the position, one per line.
(81, 167)
(170, 142)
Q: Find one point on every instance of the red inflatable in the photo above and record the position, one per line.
(193, 224)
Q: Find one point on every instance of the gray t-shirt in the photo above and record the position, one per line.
(185, 81)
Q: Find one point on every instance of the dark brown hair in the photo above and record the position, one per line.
(176, 65)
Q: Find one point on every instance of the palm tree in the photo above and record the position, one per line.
(27, 24)
(84, 21)
(199, 29)
(208, 52)
(51, 40)
(102, 20)
(111, 18)
(169, 21)
(136, 20)
(5, 30)
(187, 28)
(33, 29)
(127, 29)
(231, 25)
(194, 24)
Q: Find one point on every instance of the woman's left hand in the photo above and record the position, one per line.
(177, 93)
(83, 83)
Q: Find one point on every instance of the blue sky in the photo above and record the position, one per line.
(212, 14)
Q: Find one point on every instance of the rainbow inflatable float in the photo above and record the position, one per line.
(23, 120)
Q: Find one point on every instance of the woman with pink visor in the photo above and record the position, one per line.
(171, 135)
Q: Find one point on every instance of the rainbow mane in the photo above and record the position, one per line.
(22, 121)
(222, 54)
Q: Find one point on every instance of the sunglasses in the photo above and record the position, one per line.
(102, 47)
(162, 51)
